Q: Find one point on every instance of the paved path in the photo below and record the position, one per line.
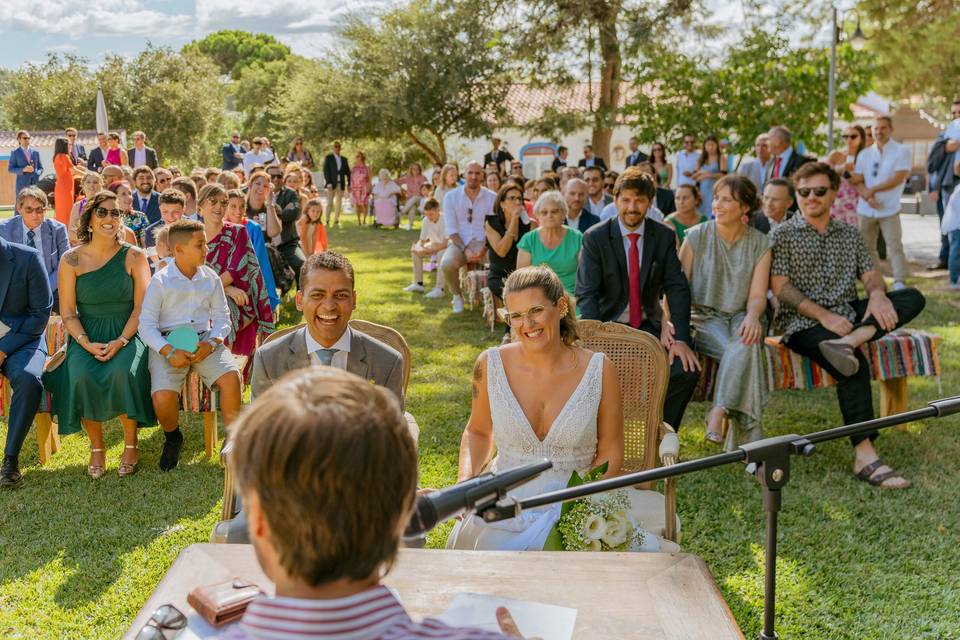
(921, 238)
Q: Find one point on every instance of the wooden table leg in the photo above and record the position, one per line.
(45, 437)
(209, 431)
(893, 396)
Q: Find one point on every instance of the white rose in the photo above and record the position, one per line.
(592, 545)
(616, 533)
(594, 527)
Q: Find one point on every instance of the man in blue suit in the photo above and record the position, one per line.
(578, 216)
(232, 153)
(24, 311)
(25, 162)
(33, 229)
(145, 198)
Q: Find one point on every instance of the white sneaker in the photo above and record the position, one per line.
(899, 286)
(409, 226)
(413, 287)
(458, 304)
(435, 293)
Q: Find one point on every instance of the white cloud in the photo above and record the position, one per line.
(84, 18)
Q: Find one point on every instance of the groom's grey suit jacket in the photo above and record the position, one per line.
(368, 358)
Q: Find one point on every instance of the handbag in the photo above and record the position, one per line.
(225, 602)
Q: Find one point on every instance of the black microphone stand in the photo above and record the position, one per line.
(768, 460)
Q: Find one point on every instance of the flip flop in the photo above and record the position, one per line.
(866, 474)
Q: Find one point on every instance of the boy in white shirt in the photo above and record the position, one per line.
(433, 240)
(187, 293)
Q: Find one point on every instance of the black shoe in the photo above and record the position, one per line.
(170, 455)
(940, 266)
(10, 475)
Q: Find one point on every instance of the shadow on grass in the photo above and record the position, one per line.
(61, 516)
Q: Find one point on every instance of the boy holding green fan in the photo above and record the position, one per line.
(185, 320)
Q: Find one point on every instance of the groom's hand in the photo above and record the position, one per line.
(687, 357)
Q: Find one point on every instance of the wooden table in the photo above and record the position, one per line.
(654, 596)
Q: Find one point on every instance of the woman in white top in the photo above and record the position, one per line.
(539, 397)
(385, 201)
(449, 180)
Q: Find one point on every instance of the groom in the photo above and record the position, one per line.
(626, 265)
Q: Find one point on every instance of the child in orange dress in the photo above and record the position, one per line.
(313, 235)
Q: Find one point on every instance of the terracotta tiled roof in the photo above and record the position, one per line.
(88, 138)
(527, 103)
(863, 112)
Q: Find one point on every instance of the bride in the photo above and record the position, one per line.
(539, 397)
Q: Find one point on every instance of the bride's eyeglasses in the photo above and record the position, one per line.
(533, 313)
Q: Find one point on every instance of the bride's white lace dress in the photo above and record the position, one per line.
(570, 443)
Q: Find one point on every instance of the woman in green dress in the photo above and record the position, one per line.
(104, 374)
(552, 243)
(727, 262)
(687, 198)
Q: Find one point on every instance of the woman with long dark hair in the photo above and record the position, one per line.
(65, 171)
(503, 229)
(299, 154)
(843, 161)
(658, 158)
(711, 166)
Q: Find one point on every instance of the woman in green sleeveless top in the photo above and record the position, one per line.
(104, 374)
(727, 262)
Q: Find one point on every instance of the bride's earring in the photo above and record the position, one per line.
(564, 309)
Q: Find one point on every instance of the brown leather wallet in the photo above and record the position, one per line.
(224, 602)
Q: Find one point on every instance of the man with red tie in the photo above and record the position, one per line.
(784, 159)
(626, 265)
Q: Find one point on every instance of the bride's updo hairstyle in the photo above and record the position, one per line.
(548, 282)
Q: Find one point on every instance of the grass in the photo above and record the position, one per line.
(78, 558)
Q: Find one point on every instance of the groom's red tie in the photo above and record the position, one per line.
(636, 305)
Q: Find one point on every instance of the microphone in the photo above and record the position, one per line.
(469, 496)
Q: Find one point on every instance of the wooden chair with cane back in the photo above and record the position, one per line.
(643, 371)
(390, 337)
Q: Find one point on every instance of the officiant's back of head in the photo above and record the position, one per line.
(328, 472)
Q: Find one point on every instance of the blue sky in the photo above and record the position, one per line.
(91, 28)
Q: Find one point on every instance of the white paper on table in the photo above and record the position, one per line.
(200, 629)
(534, 619)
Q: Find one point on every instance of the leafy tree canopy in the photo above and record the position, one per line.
(233, 50)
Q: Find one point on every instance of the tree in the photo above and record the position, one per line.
(177, 99)
(424, 72)
(916, 45)
(560, 41)
(233, 50)
(259, 91)
(762, 82)
(53, 94)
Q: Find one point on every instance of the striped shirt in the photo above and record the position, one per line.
(374, 614)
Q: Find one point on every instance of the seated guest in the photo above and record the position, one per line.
(188, 188)
(89, 185)
(288, 208)
(307, 476)
(432, 242)
(610, 211)
(33, 229)
(817, 261)
(386, 198)
(146, 199)
(578, 216)
(596, 198)
(687, 214)
(728, 265)
(327, 300)
(237, 214)
(133, 221)
(313, 235)
(104, 374)
(504, 228)
(540, 397)
(626, 266)
(260, 206)
(25, 309)
(665, 200)
(231, 255)
(187, 293)
(465, 210)
(778, 199)
(552, 243)
(163, 179)
(172, 204)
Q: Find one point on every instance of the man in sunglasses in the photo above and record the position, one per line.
(879, 176)
(817, 261)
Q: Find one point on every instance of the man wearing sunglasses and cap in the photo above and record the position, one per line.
(817, 261)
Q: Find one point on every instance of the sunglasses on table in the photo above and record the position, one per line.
(164, 624)
(103, 212)
(803, 192)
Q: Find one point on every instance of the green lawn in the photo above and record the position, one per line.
(79, 557)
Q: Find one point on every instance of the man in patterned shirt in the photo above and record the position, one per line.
(816, 264)
(328, 473)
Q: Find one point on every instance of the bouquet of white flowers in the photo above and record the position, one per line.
(596, 523)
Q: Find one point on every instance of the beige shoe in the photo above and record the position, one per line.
(96, 471)
(128, 469)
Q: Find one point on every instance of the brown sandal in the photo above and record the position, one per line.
(96, 471)
(866, 474)
(126, 468)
